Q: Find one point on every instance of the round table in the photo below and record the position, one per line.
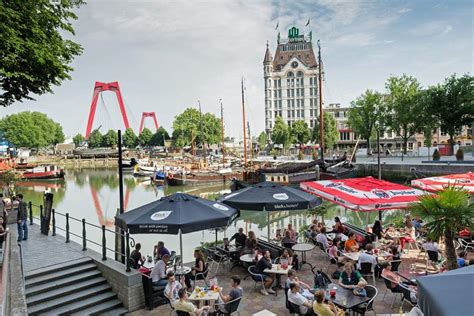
(180, 270)
(303, 248)
(248, 258)
(148, 264)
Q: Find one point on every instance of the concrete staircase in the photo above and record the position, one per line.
(74, 287)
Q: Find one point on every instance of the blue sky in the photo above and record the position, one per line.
(168, 54)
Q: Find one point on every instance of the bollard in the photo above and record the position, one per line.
(67, 227)
(104, 244)
(54, 222)
(41, 213)
(84, 242)
(30, 206)
(127, 252)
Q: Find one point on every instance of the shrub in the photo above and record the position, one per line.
(460, 154)
(436, 155)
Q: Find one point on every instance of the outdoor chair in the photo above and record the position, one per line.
(433, 259)
(464, 244)
(231, 307)
(388, 285)
(202, 275)
(396, 265)
(367, 269)
(331, 261)
(372, 292)
(217, 258)
(180, 313)
(256, 277)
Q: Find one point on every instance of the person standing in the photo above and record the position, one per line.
(239, 237)
(22, 218)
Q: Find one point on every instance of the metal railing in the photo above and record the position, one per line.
(5, 282)
(130, 242)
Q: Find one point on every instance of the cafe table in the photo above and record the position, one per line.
(303, 248)
(204, 295)
(354, 256)
(344, 298)
(148, 264)
(249, 258)
(278, 270)
(180, 270)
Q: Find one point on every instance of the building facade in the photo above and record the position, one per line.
(291, 85)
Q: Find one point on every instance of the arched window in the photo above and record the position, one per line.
(299, 74)
(290, 74)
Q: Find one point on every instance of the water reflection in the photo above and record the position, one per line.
(93, 195)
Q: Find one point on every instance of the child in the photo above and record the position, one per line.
(359, 289)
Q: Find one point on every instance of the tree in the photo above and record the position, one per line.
(34, 55)
(262, 140)
(452, 104)
(301, 134)
(211, 129)
(445, 214)
(281, 133)
(144, 139)
(404, 107)
(31, 129)
(110, 138)
(96, 139)
(186, 127)
(364, 114)
(129, 139)
(331, 133)
(159, 137)
(78, 139)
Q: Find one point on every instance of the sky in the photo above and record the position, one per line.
(167, 55)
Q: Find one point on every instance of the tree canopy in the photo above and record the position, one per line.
(78, 139)
(31, 129)
(188, 125)
(144, 139)
(129, 139)
(262, 140)
(331, 133)
(96, 139)
(159, 137)
(281, 133)
(34, 55)
(110, 138)
(300, 132)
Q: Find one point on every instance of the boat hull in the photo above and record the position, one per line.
(178, 180)
(44, 175)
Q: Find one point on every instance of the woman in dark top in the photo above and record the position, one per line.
(377, 229)
(199, 266)
(251, 242)
(338, 228)
(349, 278)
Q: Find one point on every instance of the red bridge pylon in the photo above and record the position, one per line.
(145, 115)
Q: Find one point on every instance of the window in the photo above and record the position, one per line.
(302, 92)
(336, 114)
(297, 92)
(344, 135)
(290, 74)
(299, 74)
(302, 102)
(410, 146)
(280, 102)
(310, 81)
(279, 83)
(275, 93)
(275, 104)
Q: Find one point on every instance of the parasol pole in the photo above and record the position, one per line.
(181, 246)
(216, 237)
(268, 223)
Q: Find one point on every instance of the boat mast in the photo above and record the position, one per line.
(200, 130)
(243, 123)
(321, 116)
(222, 133)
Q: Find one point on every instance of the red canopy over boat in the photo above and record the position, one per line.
(435, 184)
(363, 194)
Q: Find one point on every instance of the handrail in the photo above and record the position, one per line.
(130, 242)
(6, 273)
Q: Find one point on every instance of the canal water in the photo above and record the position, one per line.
(93, 195)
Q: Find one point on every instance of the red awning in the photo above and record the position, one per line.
(435, 184)
(364, 194)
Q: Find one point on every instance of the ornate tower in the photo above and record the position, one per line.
(267, 74)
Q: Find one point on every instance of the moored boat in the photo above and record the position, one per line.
(200, 178)
(44, 172)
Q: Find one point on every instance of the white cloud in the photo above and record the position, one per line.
(431, 28)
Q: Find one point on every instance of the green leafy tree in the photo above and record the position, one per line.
(129, 139)
(211, 129)
(110, 138)
(363, 116)
(404, 107)
(331, 133)
(452, 104)
(301, 134)
(78, 139)
(159, 137)
(31, 129)
(144, 139)
(281, 133)
(445, 214)
(186, 127)
(96, 139)
(262, 140)
(34, 55)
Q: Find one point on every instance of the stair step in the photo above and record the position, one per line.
(117, 311)
(63, 291)
(66, 281)
(57, 275)
(101, 309)
(58, 267)
(77, 307)
(74, 301)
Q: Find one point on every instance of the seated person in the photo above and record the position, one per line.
(278, 235)
(367, 257)
(184, 305)
(286, 257)
(160, 250)
(287, 241)
(305, 289)
(172, 288)
(239, 237)
(334, 251)
(322, 238)
(265, 263)
(199, 266)
(349, 277)
(293, 233)
(462, 259)
(235, 292)
(323, 309)
(295, 297)
(408, 289)
(158, 273)
(359, 289)
(351, 244)
(251, 242)
(314, 228)
(338, 228)
(137, 257)
(390, 232)
(430, 245)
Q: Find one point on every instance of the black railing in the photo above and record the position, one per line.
(130, 242)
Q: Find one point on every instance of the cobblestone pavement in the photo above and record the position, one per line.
(253, 301)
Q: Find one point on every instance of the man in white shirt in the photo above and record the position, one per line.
(172, 288)
(430, 245)
(367, 256)
(322, 238)
(158, 274)
(295, 297)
